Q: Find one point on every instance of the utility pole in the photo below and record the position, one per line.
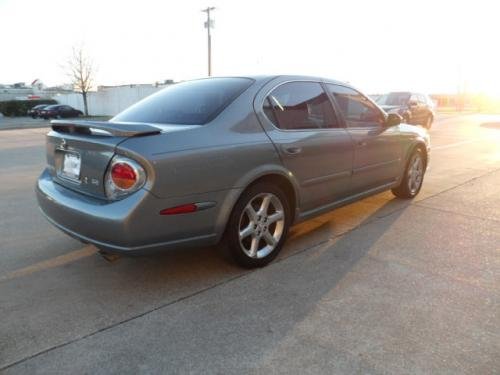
(208, 25)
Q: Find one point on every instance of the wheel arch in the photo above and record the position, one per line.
(285, 184)
(419, 143)
(279, 175)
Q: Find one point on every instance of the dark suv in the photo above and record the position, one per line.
(415, 108)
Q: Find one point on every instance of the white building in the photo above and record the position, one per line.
(15, 91)
(106, 101)
(110, 100)
(36, 90)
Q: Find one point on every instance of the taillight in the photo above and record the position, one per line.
(124, 176)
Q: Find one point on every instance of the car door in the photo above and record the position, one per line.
(62, 111)
(69, 111)
(377, 148)
(300, 120)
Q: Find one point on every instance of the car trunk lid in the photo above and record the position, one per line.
(78, 152)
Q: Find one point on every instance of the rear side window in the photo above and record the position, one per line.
(186, 103)
(300, 105)
(358, 111)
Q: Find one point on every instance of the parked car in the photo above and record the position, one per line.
(59, 111)
(235, 159)
(415, 108)
(35, 111)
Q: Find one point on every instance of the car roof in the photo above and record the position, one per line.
(291, 77)
(402, 92)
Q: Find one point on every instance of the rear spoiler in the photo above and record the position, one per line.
(103, 128)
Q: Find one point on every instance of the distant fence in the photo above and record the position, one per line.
(108, 101)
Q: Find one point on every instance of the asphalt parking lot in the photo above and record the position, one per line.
(379, 286)
(7, 123)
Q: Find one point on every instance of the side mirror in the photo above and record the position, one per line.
(393, 119)
(412, 103)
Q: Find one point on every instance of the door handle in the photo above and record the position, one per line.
(293, 150)
(361, 144)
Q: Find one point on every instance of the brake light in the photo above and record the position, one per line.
(124, 176)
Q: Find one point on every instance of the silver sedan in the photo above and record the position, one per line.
(236, 159)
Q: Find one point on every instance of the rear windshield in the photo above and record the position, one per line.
(186, 103)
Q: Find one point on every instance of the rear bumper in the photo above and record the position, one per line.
(132, 225)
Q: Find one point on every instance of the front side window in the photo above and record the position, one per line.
(358, 111)
(300, 105)
(186, 103)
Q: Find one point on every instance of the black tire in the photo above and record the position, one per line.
(406, 189)
(239, 215)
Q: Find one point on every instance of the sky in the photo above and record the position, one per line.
(437, 46)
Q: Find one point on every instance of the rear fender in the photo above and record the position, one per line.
(244, 182)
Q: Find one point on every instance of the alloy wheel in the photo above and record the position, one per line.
(415, 173)
(261, 225)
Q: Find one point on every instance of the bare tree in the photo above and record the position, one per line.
(81, 71)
